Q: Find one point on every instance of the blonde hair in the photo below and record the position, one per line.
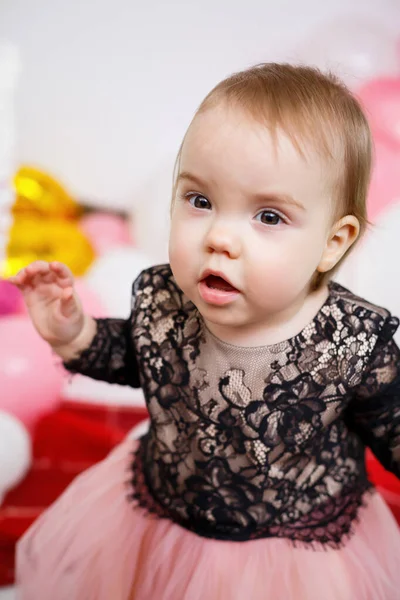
(316, 111)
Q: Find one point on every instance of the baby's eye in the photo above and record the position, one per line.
(269, 217)
(199, 201)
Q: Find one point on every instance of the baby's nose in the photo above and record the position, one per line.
(224, 239)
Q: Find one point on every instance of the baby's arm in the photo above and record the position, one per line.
(99, 348)
(375, 411)
(110, 355)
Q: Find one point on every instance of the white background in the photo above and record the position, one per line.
(108, 87)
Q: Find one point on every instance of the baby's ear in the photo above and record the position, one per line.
(342, 236)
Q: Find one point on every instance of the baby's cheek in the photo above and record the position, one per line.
(179, 241)
(178, 257)
(303, 254)
(183, 257)
(280, 278)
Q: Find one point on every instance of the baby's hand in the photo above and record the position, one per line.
(54, 307)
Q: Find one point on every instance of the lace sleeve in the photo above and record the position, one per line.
(375, 411)
(111, 356)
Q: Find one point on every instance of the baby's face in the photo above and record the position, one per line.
(251, 210)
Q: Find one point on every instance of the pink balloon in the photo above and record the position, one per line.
(11, 300)
(385, 182)
(90, 301)
(381, 101)
(105, 231)
(31, 376)
(356, 48)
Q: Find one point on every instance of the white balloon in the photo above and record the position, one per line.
(139, 430)
(8, 593)
(80, 389)
(355, 49)
(15, 451)
(112, 275)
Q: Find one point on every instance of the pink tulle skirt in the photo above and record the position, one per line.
(93, 545)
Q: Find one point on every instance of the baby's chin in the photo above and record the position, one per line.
(231, 318)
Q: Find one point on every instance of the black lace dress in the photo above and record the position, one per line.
(247, 443)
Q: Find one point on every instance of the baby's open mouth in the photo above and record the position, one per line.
(218, 283)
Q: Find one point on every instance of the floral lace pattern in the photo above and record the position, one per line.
(254, 442)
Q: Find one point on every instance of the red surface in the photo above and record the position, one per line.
(65, 443)
(387, 484)
(72, 439)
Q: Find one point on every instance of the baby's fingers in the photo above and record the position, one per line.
(25, 276)
(65, 279)
(15, 279)
(39, 267)
(69, 304)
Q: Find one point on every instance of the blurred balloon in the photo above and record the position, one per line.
(40, 194)
(381, 100)
(356, 49)
(90, 299)
(30, 378)
(15, 452)
(11, 300)
(89, 391)
(112, 275)
(139, 430)
(385, 183)
(105, 231)
(47, 239)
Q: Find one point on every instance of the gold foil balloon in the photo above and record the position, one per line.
(38, 193)
(45, 225)
(47, 239)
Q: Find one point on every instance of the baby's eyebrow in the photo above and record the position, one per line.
(284, 199)
(185, 175)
